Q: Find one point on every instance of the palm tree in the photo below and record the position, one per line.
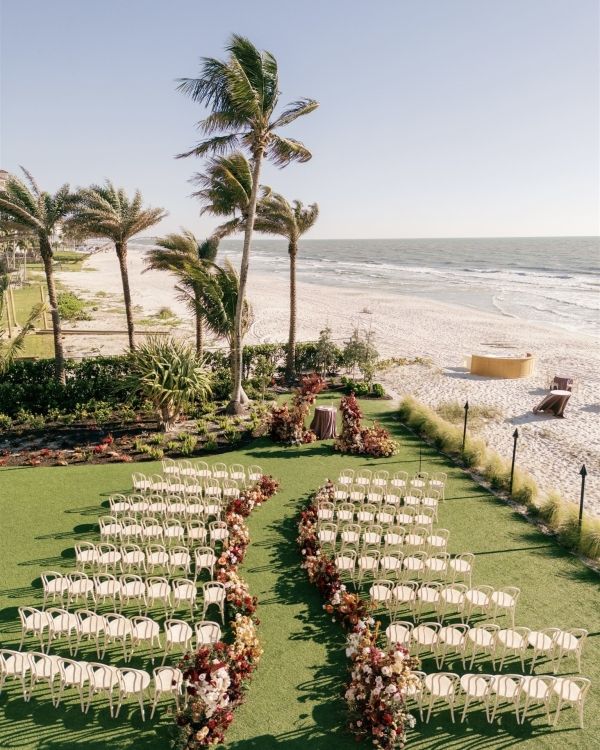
(220, 290)
(177, 253)
(107, 211)
(243, 92)
(40, 212)
(276, 216)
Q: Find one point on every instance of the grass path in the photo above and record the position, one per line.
(294, 700)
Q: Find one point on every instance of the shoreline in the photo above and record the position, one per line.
(551, 449)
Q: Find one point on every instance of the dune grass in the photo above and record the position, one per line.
(295, 699)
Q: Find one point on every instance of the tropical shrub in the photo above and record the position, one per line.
(167, 373)
(72, 307)
(362, 389)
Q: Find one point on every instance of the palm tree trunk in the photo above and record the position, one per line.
(291, 352)
(236, 406)
(199, 327)
(59, 355)
(121, 248)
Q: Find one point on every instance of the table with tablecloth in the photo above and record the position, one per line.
(324, 422)
(555, 401)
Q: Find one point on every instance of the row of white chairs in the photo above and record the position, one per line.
(166, 506)
(372, 513)
(203, 482)
(393, 537)
(133, 558)
(466, 602)
(395, 564)
(521, 692)
(458, 639)
(355, 493)
(89, 679)
(151, 529)
(85, 625)
(132, 589)
(400, 479)
(219, 470)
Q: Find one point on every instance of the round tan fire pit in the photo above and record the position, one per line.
(495, 366)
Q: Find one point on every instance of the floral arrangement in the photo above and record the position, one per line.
(215, 676)
(376, 690)
(347, 608)
(214, 679)
(368, 441)
(379, 679)
(286, 424)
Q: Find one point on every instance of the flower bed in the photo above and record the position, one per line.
(215, 677)
(379, 679)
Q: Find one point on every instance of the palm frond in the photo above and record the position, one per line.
(282, 151)
(294, 111)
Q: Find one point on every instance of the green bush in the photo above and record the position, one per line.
(187, 443)
(71, 307)
(5, 422)
(362, 389)
(560, 515)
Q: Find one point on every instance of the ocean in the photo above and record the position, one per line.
(549, 280)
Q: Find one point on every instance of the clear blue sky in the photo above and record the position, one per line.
(438, 118)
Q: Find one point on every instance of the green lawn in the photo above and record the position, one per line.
(294, 700)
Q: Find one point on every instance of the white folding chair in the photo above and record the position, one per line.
(476, 688)
(71, 674)
(158, 590)
(207, 633)
(183, 594)
(90, 626)
(86, 555)
(536, 690)
(144, 630)
(505, 688)
(569, 643)
(167, 681)
(117, 629)
(441, 686)
(101, 678)
(178, 635)
(14, 664)
(213, 593)
(34, 621)
(571, 691)
(81, 588)
(54, 585)
(61, 623)
(505, 600)
(132, 682)
(204, 559)
(156, 557)
(399, 632)
(132, 588)
(42, 668)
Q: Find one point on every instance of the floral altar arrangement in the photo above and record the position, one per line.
(365, 441)
(286, 424)
(379, 679)
(215, 677)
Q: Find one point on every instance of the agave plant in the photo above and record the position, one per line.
(167, 373)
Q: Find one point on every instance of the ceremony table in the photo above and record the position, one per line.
(324, 422)
(555, 402)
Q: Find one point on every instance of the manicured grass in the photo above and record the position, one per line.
(295, 699)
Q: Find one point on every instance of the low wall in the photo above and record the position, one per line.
(502, 367)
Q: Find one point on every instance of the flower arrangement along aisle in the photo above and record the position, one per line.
(377, 688)
(215, 677)
(365, 441)
(286, 425)
(380, 680)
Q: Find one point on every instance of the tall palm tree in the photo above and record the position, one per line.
(107, 211)
(243, 92)
(177, 252)
(41, 212)
(275, 215)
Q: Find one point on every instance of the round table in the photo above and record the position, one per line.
(324, 422)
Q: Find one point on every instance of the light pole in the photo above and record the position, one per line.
(466, 408)
(512, 466)
(583, 474)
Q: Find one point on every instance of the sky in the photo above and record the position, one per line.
(439, 118)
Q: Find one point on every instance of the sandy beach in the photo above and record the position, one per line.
(552, 449)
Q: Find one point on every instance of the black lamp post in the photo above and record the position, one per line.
(466, 408)
(583, 474)
(512, 466)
